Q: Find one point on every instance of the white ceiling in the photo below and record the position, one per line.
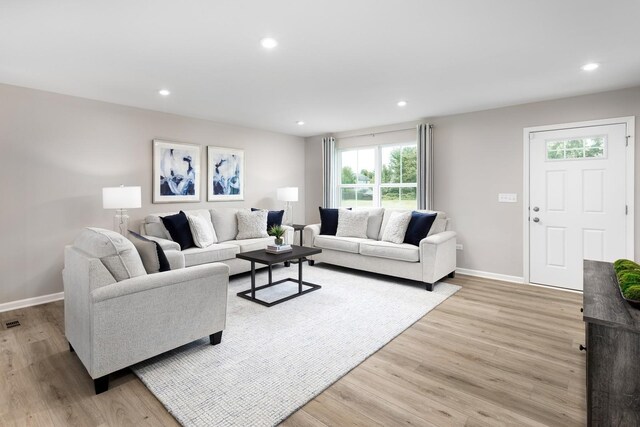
(340, 64)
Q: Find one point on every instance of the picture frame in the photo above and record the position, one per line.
(225, 174)
(176, 171)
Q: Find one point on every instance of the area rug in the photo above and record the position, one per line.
(274, 360)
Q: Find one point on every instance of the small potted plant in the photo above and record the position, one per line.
(277, 231)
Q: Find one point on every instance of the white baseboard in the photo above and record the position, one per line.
(28, 302)
(488, 275)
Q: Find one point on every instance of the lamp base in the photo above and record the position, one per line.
(121, 222)
(288, 214)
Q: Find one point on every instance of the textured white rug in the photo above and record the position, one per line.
(273, 360)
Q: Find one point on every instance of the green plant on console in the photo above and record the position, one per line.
(628, 278)
(632, 292)
(624, 264)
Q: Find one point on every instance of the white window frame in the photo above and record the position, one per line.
(377, 193)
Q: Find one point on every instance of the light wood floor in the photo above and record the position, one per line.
(493, 354)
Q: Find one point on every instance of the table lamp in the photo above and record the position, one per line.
(288, 195)
(121, 198)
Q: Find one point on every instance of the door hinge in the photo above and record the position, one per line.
(626, 209)
(626, 140)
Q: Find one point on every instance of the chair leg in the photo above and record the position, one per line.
(429, 286)
(71, 348)
(215, 338)
(101, 384)
(452, 275)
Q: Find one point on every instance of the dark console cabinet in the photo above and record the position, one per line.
(613, 350)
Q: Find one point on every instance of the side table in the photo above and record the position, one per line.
(300, 228)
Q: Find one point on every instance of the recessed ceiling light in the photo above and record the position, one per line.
(590, 66)
(268, 43)
(299, 122)
(164, 92)
(402, 103)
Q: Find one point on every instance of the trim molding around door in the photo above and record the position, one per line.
(630, 123)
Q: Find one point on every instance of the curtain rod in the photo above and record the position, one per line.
(378, 133)
(374, 133)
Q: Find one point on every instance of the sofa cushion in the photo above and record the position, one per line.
(374, 222)
(352, 223)
(328, 221)
(178, 226)
(400, 252)
(153, 226)
(418, 227)
(115, 251)
(248, 245)
(225, 223)
(343, 244)
(273, 217)
(152, 256)
(201, 229)
(251, 224)
(396, 227)
(214, 253)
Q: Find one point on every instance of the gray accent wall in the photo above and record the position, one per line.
(478, 155)
(58, 152)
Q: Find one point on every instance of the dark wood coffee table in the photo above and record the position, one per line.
(263, 257)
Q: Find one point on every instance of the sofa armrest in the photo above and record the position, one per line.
(310, 232)
(165, 244)
(438, 256)
(216, 271)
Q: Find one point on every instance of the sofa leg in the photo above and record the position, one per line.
(429, 286)
(311, 262)
(101, 384)
(215, 338)
(71, 348)
(287, 264)
(452, 275)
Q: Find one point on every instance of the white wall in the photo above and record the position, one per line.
(478, 155)
(58, 152)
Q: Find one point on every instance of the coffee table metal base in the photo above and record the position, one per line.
(250, 294)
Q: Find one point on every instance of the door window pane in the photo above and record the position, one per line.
(578, 148)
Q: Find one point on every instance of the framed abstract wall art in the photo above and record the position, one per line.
(176, 172)
(225, 179)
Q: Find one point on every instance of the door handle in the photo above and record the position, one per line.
(536, 209)
(536, 219)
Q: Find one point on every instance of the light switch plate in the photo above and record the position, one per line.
(508, 198)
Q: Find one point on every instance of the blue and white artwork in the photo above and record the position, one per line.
(225, 174)
(176, 172)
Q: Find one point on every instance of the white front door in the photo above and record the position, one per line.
(577, 201)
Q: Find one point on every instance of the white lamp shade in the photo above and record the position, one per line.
(121, 197)
(288, 194)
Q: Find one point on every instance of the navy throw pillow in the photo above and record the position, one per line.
(273, 217)
(419, 227)
(178, 227)
(329, 221)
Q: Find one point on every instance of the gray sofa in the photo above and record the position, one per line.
(225, 224)
(430, 261)
(117, 315)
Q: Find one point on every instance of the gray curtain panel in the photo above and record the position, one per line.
(328, 171)
(425, 166)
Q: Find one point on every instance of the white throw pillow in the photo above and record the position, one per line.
(252, 225)
(352, 223)
(202, 231)
(396, 227)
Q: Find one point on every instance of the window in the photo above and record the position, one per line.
(384, 176)
(582, 148)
